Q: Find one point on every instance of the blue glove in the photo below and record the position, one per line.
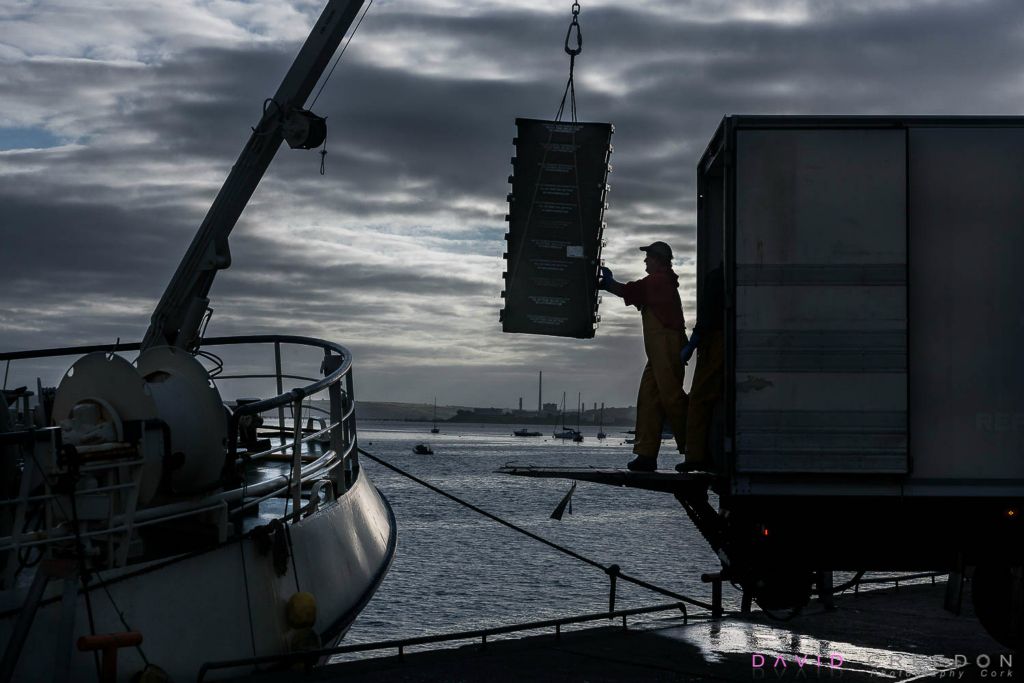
(605, 278)
(690, 347)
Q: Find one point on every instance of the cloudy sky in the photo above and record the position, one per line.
(120, 120)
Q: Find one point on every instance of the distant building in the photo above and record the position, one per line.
(490, 412)
(550, 408)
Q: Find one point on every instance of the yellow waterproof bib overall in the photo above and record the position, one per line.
(661, 392)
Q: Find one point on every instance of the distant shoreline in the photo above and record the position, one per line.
(504, 419)
(448, 414)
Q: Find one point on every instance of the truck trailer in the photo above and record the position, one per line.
(871, 295)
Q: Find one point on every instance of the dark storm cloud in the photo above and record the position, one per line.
(48, 241)
(316, 280)
(395, 249)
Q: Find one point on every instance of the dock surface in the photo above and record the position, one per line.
(899, 634)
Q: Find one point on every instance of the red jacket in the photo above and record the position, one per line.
(660, 291)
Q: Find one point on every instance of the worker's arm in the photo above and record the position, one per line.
(608, 283)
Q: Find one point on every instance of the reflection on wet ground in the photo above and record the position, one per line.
(777, 649)
(890, 634)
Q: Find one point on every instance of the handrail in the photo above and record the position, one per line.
(342, 449)
(209, 341)
(895, 580)
(403, 643)
(265, 489)
(254, 408)
(301, 392)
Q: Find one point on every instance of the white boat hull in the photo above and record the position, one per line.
(194, 609)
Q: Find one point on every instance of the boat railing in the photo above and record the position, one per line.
(118, 475)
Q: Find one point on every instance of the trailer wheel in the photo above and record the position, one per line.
(997, 592)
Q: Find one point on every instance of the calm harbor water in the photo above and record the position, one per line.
(455, 569)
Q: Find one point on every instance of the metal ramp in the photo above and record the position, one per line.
(690, 489)
(666, 482)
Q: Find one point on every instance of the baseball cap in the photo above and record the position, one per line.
(659, 249)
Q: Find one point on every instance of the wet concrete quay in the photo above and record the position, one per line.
(900, 634)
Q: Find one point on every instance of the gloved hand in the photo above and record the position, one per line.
(605, 278)
(690, 347)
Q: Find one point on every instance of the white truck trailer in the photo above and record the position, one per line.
(873, 411)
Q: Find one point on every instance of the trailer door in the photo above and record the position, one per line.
(819, 373)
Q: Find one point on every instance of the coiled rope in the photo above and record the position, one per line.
(613, 571)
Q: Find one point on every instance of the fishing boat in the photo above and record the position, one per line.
(422, 449)
(525, 432)
(600, 427)
(142, 511)
(434, 429)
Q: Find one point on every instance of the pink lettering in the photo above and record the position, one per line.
(757, 661)
(800, 662)
(832, 660)
(778, 658)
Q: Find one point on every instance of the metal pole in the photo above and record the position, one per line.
(297, 458)
(280, 390)
(613, 574)
(351, 424)
(331, 364)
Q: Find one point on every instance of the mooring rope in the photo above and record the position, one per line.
(611, 570)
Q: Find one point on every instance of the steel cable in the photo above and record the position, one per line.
(570, 85)
(611, 570)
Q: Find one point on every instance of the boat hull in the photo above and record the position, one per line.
(196, 608)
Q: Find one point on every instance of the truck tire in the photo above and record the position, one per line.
(997, 592)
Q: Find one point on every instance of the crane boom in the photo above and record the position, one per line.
(177, 318)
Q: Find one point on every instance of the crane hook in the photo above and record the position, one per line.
(579, 36)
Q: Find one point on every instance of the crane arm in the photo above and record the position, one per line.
(177, 318)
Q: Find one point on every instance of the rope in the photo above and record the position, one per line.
(323, 156)
(611, 570)
(345, 47)
(296, 419)
(120, 614)
(245, 571)
(83, 568)
(570, 85)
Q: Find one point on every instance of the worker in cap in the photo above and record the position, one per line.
(661, 392)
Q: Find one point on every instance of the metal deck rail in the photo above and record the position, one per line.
(337, 381)
(308, 657)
